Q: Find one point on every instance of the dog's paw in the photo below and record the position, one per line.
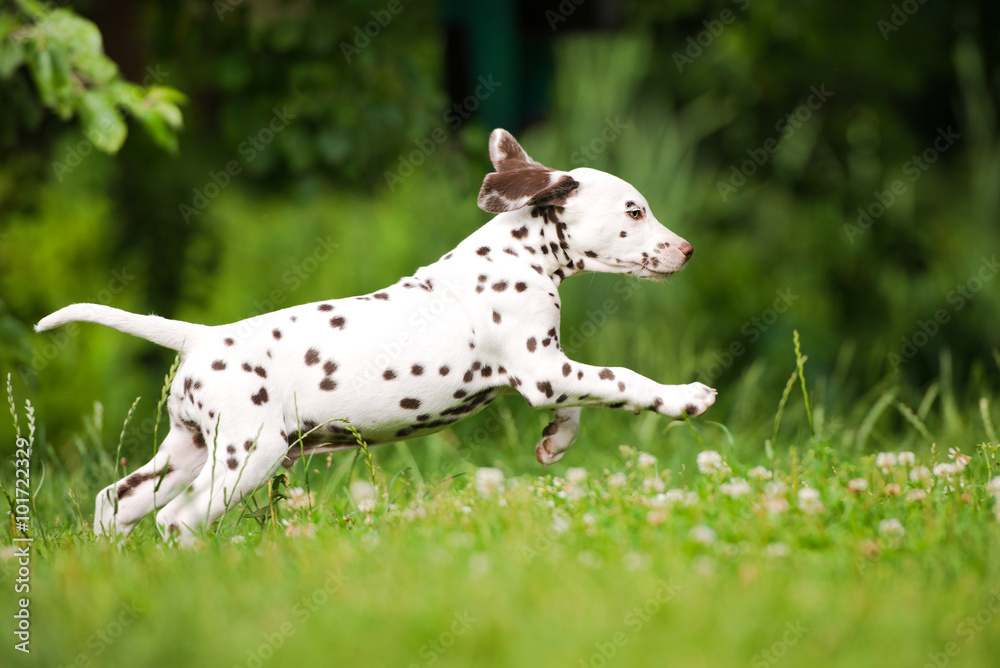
(558, 436)
(697, 399)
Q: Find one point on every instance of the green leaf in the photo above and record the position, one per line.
(40, 65)
(11, 57)
(61, 81)
(161, 133)
(102, 124)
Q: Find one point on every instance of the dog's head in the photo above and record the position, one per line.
(608, 221)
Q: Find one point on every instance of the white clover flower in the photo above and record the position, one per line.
(776, 505)
(945, 469)
(891, 527)
(703, 534)
(656, 516)
(299, 499)
(238, 539)
(809, 501)
(617, 479)
(711, 462)
(916, 495)
(488, 480)
(654, 485)
(635, 561)
(559, 524)
(589, 519)
(735, 488)
(674, 496)
(885, 461)
(659, 501)
(363, 493)
(920, 474)
(906, 458)
(646, 460)
(576, 475)
(295, 529)
(775, 488)
(993, 486)
(857, 485)
(759, 473)
(776, 550)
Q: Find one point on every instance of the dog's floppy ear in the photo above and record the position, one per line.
(519, 180)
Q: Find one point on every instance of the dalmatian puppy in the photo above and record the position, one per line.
(405, 361)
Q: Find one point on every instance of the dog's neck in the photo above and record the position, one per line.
(541, 238)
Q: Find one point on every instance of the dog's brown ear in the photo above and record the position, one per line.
(519, 180)
(513, 189)
(506, 153)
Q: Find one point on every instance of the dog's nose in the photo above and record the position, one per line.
(687, 249)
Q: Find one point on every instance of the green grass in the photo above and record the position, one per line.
(641, 554)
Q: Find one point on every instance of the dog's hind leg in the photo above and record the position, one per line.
(237, 466)
(121, 505)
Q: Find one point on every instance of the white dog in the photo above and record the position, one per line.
(480, 322)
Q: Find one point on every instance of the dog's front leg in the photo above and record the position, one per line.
(558, 382)
(559, 435)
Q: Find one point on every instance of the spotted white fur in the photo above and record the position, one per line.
(405, 361)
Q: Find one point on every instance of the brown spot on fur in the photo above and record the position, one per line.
(409, 403)
(532, 343)
(338, 322)
(260, 397)
(606, 374)
(219, 365)
(312, 357)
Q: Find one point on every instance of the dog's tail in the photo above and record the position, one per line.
(173, 334)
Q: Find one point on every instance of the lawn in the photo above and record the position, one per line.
(690, 545)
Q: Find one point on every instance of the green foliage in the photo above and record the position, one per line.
(63, 53)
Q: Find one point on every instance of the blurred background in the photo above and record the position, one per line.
(835, 165)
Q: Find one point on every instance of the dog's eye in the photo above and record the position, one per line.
(635, 214)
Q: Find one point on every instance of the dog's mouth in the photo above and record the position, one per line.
(656, 274)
